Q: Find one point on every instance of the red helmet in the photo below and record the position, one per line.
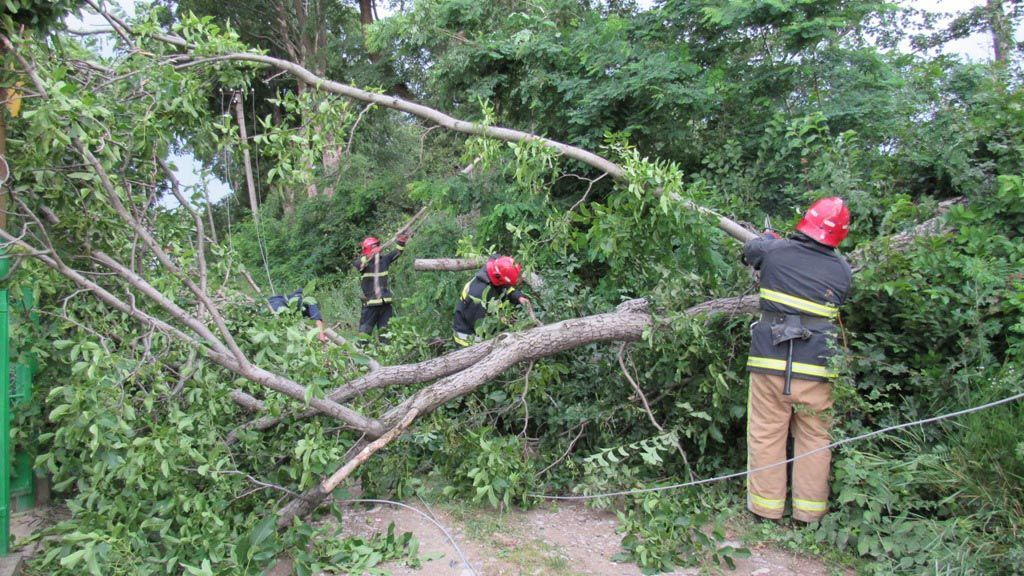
(370, 245)
(503, 271)
(827, 221)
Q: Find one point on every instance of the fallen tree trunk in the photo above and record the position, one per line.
(532, 279)
(451, 363)
(626, 324)
(447, 264)
(403, 374)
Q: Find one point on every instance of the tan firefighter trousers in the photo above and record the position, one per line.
(771, 417)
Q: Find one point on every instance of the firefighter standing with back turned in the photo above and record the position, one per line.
(804, 280)
(377, 297)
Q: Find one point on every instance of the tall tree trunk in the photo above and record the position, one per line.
(246, 161)
(367, 16)
(366, 12)
(1001, 30)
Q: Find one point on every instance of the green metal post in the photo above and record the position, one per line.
(5, 418)
(23, 485)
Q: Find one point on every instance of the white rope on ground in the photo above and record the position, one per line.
(440, 527)
(865, 436)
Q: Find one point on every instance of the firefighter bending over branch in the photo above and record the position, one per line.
(309, 310)
(497, 279)
(804, 280)
(377, 297)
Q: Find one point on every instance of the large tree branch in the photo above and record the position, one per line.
(460, 264)
(196, 218)
(627, 323)
(435, 116)
(155, 248)
(447, 264)
(222, 358)
(403, 374)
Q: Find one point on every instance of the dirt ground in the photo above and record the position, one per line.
(553, 540)
(562, 540)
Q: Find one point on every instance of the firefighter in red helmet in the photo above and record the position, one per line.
(804, 280)
(497, 279)
(377, 297)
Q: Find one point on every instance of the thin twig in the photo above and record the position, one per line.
(352, 132)
(583, 428)
(647, 408)
(589, 187)
(522, 399)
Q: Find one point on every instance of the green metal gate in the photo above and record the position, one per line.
(17, 486)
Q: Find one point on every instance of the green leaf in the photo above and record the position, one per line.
(264, 529)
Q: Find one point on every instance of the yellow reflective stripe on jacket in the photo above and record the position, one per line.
(810, 505)
(375, 274)
(798, 367)
(460, 340)
(802, 304)
(378, 301)
(483, 295)
(766, 503)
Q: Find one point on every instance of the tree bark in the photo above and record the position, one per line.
(403, 374)
(366, 12)
(532, 279)
(447, 264)
(246, 160)
(1000, 29)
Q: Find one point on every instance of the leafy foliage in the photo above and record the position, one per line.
(748, 107)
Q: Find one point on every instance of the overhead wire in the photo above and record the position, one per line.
(836, 444)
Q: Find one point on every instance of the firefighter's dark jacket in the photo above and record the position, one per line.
(309, 310)
(473, 301)
(802, 278)
(376, 268)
